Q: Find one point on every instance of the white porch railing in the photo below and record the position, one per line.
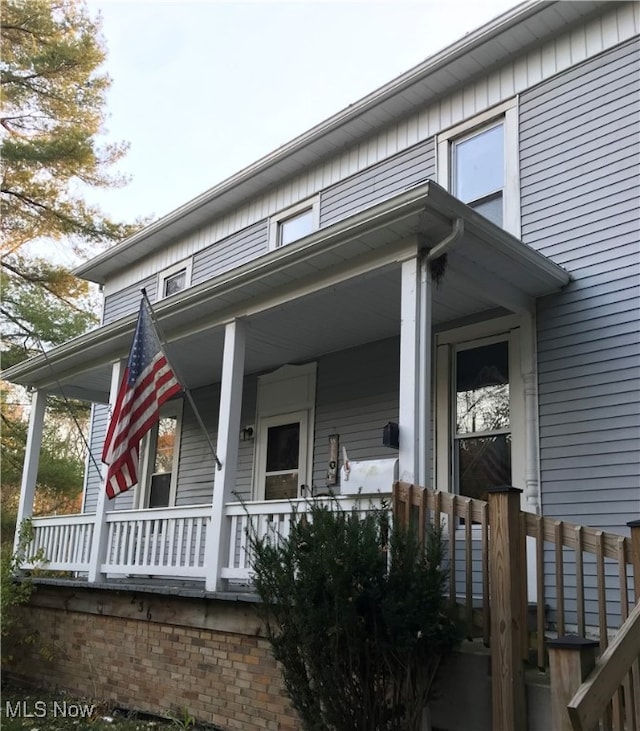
(170, 541)
(62, 541)
(273, 518)
(157, 541)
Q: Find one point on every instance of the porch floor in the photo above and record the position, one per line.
(159, 585)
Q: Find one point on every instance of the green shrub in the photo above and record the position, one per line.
(16, 589)
(357, 616)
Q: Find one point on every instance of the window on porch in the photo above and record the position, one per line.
(482, 438)
(160, 459)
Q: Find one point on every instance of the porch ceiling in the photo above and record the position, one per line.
(335, 289)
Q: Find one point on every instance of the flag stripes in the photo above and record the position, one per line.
(148, 382)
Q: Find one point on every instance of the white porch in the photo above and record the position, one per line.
(419, 263)
(169, 542)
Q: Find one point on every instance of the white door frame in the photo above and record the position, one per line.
(263, 426)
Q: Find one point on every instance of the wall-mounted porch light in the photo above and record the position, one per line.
(246, 433)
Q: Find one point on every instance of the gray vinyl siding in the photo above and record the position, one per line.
(93, 480)
(233, 251)
(357, 394)
(579, 137)
(196, 470)
(380, 181)
(127, 300)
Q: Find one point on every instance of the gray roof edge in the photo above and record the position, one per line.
(436, 61)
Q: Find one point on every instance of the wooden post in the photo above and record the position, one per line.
(571, 659)
(634, 525)
(507, 613)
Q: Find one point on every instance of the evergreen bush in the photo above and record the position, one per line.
(356, 613)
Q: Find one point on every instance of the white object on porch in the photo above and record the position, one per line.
(370, 475)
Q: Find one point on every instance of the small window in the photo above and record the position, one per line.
(293, 224)
(175, 283)
(294, 228)
(174, 279)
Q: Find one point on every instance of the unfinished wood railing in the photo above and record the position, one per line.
(491, 540)
(617, 668)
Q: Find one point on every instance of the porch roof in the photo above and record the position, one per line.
(336, 288)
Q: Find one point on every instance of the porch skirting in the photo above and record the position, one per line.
(159, 650)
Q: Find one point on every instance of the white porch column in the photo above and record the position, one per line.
(217, 544)
(415, 372)
(99, 541)
(31, 460)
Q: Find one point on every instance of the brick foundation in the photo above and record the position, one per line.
(158, 654)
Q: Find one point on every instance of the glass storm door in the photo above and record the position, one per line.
(283, 462)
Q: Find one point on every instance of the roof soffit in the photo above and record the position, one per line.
(507, 273)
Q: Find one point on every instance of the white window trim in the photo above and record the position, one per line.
(148, 453)
(508, 112)
(186, 264)
(275, 220)
(503, 328)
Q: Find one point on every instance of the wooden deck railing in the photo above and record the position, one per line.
(490, 540)
(615, 680)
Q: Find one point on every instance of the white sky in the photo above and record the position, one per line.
(202, 89)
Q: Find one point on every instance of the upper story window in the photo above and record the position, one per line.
(478, 163)
(174, 279)
(294, 223)
(478, 171)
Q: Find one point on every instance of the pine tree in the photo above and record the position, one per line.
(52, 114)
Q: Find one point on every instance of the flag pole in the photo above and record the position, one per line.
(187, 392)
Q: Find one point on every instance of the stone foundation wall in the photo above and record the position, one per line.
(159, 654)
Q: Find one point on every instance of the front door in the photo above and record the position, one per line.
(282, 455)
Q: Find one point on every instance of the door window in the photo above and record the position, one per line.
(283, 462)
(282, 455)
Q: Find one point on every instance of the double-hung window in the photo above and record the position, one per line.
(482, 429)
(161, 449)
(480, 423)
(478, 163)
(478, 171)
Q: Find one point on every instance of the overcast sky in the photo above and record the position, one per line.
(202, 89)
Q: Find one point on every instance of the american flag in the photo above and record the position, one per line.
(148, 382)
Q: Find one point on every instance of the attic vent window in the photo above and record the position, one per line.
(175, 282)
(294, 223)
(294, 228)
(174, 279)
